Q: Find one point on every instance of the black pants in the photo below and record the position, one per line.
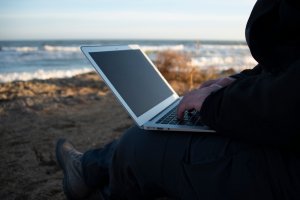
(150, 164)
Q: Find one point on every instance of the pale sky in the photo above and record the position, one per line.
(124, 19)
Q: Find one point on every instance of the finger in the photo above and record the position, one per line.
(181, 109)
(182, 104)
(185, 105)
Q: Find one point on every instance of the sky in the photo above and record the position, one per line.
(124, 19)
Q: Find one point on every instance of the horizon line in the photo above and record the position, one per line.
(124, 39)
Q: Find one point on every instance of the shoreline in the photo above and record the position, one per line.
(26, 60)
(41, 74)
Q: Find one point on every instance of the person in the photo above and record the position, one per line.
(254, 153)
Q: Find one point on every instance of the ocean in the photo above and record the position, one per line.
(26, 60)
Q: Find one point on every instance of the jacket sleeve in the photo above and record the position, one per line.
(262, 108)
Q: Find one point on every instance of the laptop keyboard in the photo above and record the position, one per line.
(190, 118)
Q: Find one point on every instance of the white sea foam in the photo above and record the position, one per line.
(48, 48)
(237, 47)
(20, 49)
(224, 63)
(53, 48)
(163, 48)
(62, 48)
(41, 74)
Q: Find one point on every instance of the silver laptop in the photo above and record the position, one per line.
(141, 89)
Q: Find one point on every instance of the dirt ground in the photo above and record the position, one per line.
(34, 114)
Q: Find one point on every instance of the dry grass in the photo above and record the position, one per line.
(176, 67)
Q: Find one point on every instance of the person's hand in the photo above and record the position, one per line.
(194, 99)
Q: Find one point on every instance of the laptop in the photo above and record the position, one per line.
(141, 89)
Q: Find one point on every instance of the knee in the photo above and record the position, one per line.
(127, 142)
(129, 136)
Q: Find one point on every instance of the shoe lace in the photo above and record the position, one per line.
(76, 158)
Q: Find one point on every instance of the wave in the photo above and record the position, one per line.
(53, 48)
(163, 48)
(41, 74)
(224, 63)
(17, 57)
(146, 48)
(236, 47)
(62, 48)
(19, 49)
(47, 48)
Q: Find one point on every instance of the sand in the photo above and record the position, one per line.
(34, 114)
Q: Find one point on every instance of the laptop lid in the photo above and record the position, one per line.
(133, 78)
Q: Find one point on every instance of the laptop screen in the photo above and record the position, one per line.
(134, 78)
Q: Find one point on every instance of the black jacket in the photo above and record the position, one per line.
(263, 104)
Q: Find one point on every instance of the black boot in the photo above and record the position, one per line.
(69, 160)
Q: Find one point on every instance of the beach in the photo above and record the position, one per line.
(34, 114)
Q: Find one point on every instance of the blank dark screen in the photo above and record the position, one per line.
(134, 78)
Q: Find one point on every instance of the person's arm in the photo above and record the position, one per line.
(195, 98)
(262, 108)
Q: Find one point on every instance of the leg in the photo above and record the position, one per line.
(96, 164)
(150, 164)
(99, 165)
(139, 163)
(138, 158)
(190, 166)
